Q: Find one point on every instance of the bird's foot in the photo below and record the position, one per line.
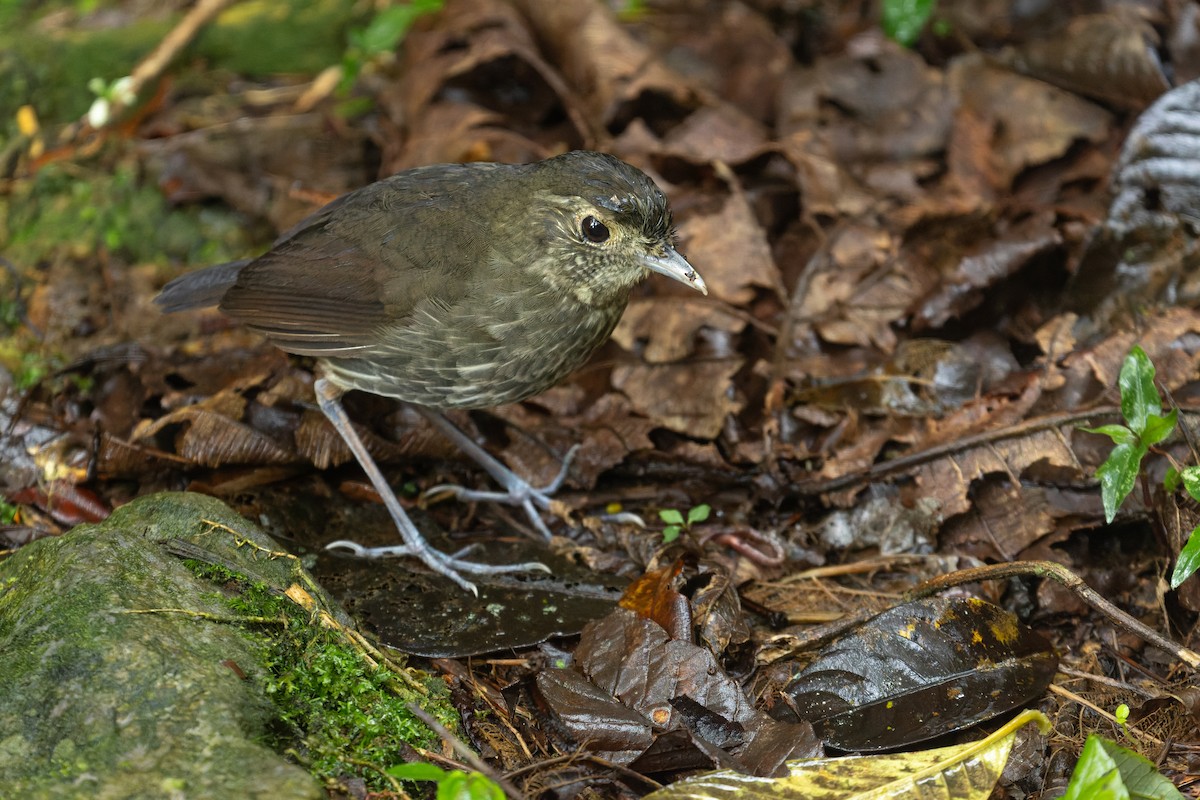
(450, 566)
(518, 492)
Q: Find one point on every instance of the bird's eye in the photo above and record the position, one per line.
(594, 230)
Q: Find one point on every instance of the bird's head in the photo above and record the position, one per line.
(605, 226)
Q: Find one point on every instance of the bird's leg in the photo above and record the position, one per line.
(517, 492)
(414, 543)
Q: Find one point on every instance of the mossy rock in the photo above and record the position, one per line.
(128, 672)
(102, 701)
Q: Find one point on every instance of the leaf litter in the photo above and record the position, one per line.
(920, 293)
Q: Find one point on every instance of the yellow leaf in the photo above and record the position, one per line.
(961, 772)
(27, 121)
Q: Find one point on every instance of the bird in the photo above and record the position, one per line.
(453, 286)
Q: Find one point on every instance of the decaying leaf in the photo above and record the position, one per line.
(1109, 56)
(918, 671)
(636, 664)
(689, 398)
(960, 772)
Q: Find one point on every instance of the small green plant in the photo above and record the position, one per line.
(380, 37)
(1107, 770)
(676, 523)
(117, 94)
(903, 20)
(451, 784)
(1189, 557)
(1145, 426)
(1121, 715)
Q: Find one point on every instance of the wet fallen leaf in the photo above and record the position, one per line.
(961, 772)
(690, 398)
(1111, 57)
(1031, 122)
(633, 660)
(918, 671)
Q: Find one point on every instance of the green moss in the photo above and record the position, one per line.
(63, 211)
(50, 70)
(269, 37)
(336, 711)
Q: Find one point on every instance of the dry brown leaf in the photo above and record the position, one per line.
(661, 329)
(983, 265)
(1093, 372)
(730, 249)
(825, 186)
(717, 133)
(1031, 122)
(949, 479)
(739, 55)
(472, 85)
(693, 399)
(615, 76)
(449, 132)
(213, 440)
(607, 431)
(256, 163)
(888, 106)
(1005, 520)
(1110, 56)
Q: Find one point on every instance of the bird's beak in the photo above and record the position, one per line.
(675, 266)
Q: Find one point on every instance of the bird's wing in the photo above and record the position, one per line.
(364, 263)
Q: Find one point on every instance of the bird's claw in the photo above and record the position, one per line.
(439, 562)
(517, 492)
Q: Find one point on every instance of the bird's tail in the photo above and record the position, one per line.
(201, 288)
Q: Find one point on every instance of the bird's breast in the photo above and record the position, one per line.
(496, 349)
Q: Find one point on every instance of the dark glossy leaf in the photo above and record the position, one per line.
(1118, 433)
(423, 614)
(1191, 481)
(921, 670)
(1107, 770)
(1188, 562)
(1139, 397)
(635, 661)
(1159, 427)
(1117, 476)
(586, 713)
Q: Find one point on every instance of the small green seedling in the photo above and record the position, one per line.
(1121, 715)
(451, 784)
(1189, 557)
(1145, 426)
(119, 93)
(903, 20)
(1107, 770)
(380, 38)
(676, 523)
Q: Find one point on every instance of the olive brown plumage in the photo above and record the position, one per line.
(453, 286)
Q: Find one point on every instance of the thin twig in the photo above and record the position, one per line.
(1074, 698)
(959, 445)
(815, 637)
(1070, 581)
(150, 68)
(465, 752)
